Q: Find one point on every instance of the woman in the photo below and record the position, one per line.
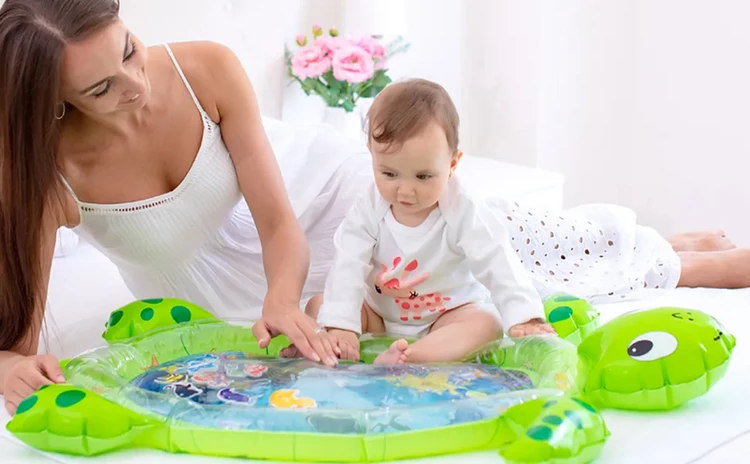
(149, 154)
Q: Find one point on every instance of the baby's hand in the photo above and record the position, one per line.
(533, 327)
(345, 344)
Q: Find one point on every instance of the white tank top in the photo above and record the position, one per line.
(199, 241)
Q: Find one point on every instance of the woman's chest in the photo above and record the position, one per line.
(149, 163)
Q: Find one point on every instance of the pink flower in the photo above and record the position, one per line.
(301, 40)
(381, 63)
(330, 44)
(352, 64)
(373, 46)
(310, 62)
(317, 30)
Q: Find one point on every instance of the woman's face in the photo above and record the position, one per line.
(106, 73)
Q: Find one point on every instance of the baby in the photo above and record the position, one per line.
(417, 256)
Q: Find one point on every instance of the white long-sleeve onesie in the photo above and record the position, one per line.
(410, 275)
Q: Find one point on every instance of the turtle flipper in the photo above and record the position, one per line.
(142, 316)
(572, 318)
(559, 430)
(66, 419)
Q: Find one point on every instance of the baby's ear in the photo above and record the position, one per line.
(456, 158)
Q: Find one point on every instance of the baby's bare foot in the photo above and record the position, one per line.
(711, 240)
(398, 353)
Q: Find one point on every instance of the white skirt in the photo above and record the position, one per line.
(594, 251)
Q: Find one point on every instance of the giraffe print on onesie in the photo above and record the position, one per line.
(416, 277)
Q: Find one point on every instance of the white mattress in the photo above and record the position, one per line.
(712, 429)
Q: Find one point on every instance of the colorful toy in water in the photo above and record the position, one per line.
(175, 378)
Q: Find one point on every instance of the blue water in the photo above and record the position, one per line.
(238, 391)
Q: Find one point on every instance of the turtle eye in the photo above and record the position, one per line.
(652, 345)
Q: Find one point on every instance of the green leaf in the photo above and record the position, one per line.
(318, 87)
(380, 79)
(371, 92)
(348, 105)
(334, 85)
(306, 85)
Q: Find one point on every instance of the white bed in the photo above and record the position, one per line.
(712, 429)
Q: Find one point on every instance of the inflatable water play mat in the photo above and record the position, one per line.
(173, 377)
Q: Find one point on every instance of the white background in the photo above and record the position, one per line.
(639, 102)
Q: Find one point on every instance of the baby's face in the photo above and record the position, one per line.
(412, 177)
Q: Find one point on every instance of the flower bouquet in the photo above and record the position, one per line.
(341, 70)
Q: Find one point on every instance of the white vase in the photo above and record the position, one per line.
(299, 108)
(348, 123)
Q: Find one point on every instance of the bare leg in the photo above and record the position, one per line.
(455, 335)
(371, 321)
(313, 306)
(711, 240)
(717, 269)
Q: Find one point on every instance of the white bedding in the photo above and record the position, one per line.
(712, 429)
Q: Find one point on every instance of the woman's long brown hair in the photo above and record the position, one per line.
(33, 34)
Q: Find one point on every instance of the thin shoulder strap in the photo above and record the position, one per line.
(182, 76)
(70, 189)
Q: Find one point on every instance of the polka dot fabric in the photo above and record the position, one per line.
(594, 251)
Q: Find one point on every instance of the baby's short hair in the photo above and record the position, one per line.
(405, 108)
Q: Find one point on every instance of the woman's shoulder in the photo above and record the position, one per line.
(209, 67)
(201, 55)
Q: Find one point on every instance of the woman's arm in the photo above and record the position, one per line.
(21, 371)
(286, 256)
(285, 251)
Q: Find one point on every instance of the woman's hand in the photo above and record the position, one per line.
(27, 376)
(309, 339)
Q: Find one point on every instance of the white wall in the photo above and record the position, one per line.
(435, 31)
(500, 86)
(257, 31)
(642, 102)
(645, 103)
(691, 114)
(254, 30)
